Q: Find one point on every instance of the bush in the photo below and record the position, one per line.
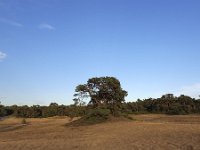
(97, 115)
(93, 116)
(174, 110)
(98, 112)
(2, 111)
(24, 121)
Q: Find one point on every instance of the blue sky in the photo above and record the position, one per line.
(48, 47)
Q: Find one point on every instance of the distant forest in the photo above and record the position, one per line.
(167, 104)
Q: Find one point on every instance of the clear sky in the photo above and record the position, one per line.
(48, 47)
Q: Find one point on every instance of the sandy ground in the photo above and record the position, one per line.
(148, 132)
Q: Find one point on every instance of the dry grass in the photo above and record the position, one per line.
(148, 132)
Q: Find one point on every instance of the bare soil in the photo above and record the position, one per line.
(146, 132)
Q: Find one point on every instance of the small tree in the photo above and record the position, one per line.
(24, 121)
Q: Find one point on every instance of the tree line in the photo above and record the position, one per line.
(37, 111)
(106, 97)
(165, 105)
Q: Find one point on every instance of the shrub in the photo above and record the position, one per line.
(24, 121)
(97, 115)
(93, 116)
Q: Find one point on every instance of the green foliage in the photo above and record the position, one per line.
(37, 111)
(2, 111)
(165, 105)
(98, 112)
(103, 91)
(5, 111)
(93, 116)
(106, 98)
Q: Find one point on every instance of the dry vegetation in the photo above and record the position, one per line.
(148, 132)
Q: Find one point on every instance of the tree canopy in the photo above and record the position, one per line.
(101, 91)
